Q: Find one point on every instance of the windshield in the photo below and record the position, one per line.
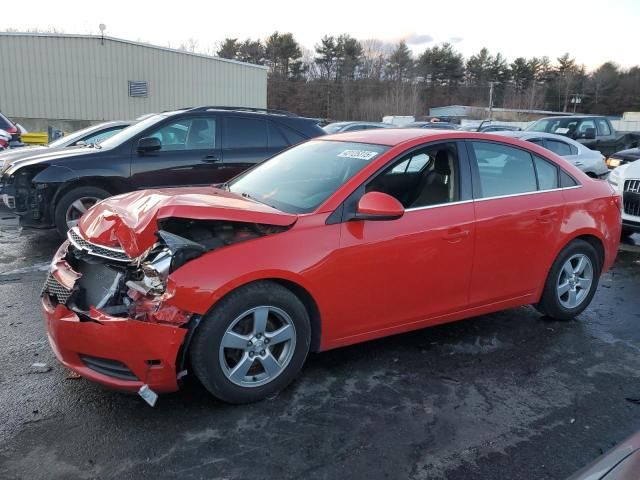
(298, 180)
(560, 126)
(129, 132)
(72, 137)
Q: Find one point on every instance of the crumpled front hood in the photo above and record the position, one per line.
(130, 221)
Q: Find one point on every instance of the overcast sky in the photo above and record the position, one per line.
(592, 31)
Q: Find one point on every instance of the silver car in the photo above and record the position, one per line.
(87, 136)
(589, 161)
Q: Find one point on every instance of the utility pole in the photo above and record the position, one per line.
(491, 84)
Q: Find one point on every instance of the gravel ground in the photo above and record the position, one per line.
(510, 395)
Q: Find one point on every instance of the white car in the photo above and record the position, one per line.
(626, 180)
(589, 161)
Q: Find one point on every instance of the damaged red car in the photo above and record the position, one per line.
(335, 241)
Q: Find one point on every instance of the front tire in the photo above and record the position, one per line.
(572, 281)
(252, 344)
(74, 204)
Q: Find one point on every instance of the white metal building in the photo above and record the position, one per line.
(74, 80)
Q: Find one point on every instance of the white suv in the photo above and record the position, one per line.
(626, 180)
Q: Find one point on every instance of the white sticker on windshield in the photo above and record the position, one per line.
(561, 131)
(359, 154)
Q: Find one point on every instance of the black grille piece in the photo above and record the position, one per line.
(632, 186)
(97, 250)
(97, 285)
(54, 289)
(108, 367)
(631, 197)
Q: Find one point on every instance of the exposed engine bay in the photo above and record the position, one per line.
(111, 283)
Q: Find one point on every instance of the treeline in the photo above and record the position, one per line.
(345, 78)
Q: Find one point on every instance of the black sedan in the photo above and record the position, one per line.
(622, 157)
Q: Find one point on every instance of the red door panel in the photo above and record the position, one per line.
(515, 240)
(405, 270)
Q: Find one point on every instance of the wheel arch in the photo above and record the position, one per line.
(588, 236)
(112, 185)
(301, 292)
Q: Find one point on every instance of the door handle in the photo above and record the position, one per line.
(210, 159)
(456, 235)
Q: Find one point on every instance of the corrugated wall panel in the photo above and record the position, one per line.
(78, 78)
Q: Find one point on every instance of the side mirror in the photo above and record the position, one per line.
(80, 143)
(378, 206)
(590, 133)
(149, 144)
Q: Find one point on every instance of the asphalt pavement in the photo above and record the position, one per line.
(505, 396)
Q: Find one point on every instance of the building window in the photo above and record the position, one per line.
(138, 88)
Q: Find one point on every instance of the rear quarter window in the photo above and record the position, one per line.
(567, 180)
(245, 133)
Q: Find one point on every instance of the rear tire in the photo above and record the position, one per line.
(65, 211)
(572, 281)
(233, 351)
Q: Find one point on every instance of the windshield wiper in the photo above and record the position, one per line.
(246, 195)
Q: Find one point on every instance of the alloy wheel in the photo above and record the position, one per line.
(257, 346)
(78, 208)
(574, 281)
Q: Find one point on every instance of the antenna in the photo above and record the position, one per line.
(102, 28)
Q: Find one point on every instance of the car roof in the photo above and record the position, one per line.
(356, 122)
(534, 134)
(571, 117)
(396, 136)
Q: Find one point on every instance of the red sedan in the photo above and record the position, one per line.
(336, 241)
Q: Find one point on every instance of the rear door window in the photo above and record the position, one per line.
(242, 132)
(558, 147)
(503, 170)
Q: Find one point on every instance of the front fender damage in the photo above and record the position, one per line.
(103, 291)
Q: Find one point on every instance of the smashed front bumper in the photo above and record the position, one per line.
(116, 351)
(119, 353)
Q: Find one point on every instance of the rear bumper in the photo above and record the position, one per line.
(147, 350)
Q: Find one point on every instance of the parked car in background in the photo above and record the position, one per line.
(5, 138)
(195, 146)
(339, 127)
(595, 132)
(623, 157)
(434, 125)
(11, 128)
(626, 181)
(488, 127)
(619, 463)
(498, 128)
(330, 243)
(87, 136)
(589, 161)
